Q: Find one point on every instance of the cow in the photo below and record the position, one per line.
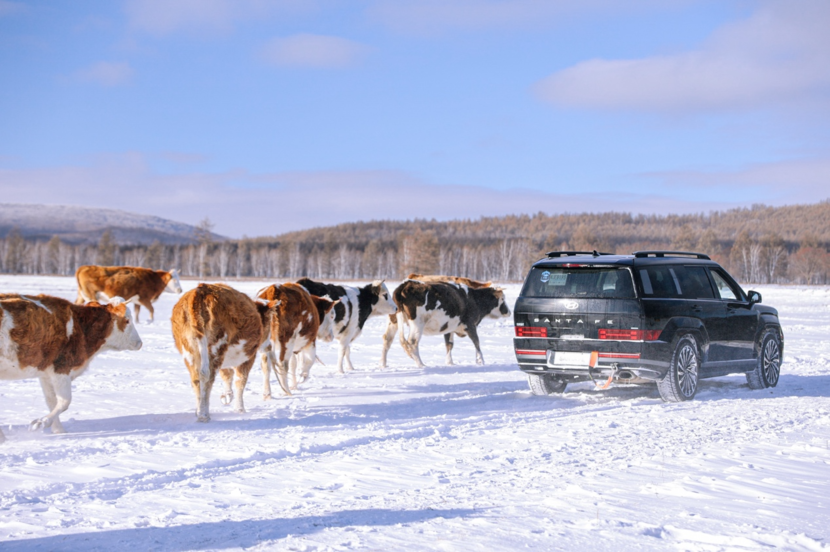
(54, 340)
(219, 329)
(441, 307)
(299, 319)
(350, 314)
(135, 284)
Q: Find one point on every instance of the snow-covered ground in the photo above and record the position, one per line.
(446, 458)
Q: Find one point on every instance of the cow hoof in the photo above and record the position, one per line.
(240, 410)
(266, 397)
(2, 437)
(38, 424)
(226, 399)
(203, 419)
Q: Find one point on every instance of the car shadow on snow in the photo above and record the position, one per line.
(227, 534)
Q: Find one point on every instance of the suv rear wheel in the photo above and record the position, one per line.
(545, 384)
(768, 367)
(680, 383)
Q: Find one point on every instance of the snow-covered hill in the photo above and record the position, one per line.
(445, 458)
(75, 224)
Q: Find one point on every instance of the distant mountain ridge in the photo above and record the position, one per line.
(73, 224)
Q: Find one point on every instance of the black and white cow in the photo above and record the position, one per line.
(441, 307)
(350, 314)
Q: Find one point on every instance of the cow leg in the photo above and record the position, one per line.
(242, 372)
(266, 375)
(203, 370)
(342, 351)
(413, 341)
(292, 367)
(57, 390)
(348, 357)
(227, 383)
(473, 333)
(448, 341)
(281, 367)
(136, 308)
(149, 306)
(202, 386)
(2, 437)
(388, 338)
(308, 355)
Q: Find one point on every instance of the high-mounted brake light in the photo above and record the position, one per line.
(530, 331)
(573, 265)
(629, 335)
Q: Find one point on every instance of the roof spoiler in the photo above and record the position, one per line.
(593, 253)
(641, 254)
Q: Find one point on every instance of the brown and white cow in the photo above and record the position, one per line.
(135, 284)
(350, 314)
(441, 307)
(54, 340)
(299, 320)
(219, 329)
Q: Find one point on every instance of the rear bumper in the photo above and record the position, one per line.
(644, 360)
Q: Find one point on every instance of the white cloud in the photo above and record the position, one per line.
(107, 73)
(308, 50)
(163, 17)
(779, 54)
(240, 202)
(780, 182)
(432, 16)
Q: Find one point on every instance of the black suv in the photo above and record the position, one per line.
(669, 317)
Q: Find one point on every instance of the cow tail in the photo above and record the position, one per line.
(200, 320)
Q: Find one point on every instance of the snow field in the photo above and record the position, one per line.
(446, 458)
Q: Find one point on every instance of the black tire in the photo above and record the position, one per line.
(680, 382)
(545, 384)
(768, 367)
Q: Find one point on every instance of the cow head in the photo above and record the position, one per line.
(124, 335)
(501, 309)
(173, 283)
(385, 304)
(326, 329)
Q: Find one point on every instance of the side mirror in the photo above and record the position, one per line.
(754, 297)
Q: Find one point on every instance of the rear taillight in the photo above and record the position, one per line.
(629, 335)
(530, 331)
(526, 352)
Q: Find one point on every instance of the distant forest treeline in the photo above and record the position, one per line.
(758, 245)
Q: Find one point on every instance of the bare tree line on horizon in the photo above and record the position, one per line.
(758, 245)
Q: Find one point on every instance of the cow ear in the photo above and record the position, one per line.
(118, 309)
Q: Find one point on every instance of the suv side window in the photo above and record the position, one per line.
(725, 289)
(676, 282)
(694, 283)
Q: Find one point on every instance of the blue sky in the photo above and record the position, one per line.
(274, 115)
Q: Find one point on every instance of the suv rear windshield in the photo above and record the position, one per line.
(597, 282)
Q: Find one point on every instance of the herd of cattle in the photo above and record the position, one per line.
(218, 329)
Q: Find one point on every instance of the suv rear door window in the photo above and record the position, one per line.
(676, 282)
(593, 282)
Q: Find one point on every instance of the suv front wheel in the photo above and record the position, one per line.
(768, 368)
(545, 384)
(680, 382)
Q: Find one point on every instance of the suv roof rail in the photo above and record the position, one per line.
(642, 254)
(593, 253)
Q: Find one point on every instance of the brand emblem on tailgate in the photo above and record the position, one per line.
(571, 304)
